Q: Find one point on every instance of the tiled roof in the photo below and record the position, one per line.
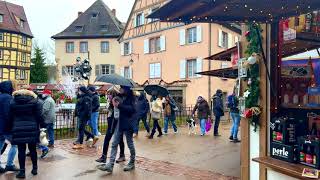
(96, 22)
(10, 14)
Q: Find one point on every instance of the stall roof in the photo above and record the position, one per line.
(233, 10)
(224, 55)
(230, 73)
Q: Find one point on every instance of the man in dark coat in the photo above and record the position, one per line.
(6, 90)
(24, 124)
(218, 110)
(123, 111)
(142, 110)
(83, 112)
(95, 110)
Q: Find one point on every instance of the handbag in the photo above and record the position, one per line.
(208, 125)
(155, 115)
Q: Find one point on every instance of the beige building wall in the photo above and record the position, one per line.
(96, 57)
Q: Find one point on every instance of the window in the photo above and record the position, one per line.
(24, 40)
(83, 47)
(104, 28)
(192, 35)
(224, 65)
(139, 19)
(103, 69)
(1, 72)
(94, 14)
(21, 74)
(21, 23)
(1, 54)
(1, 18)
(154, 45)
(1, 37)
(191, 68)
(23, 58)
(70, 70)
(127, 72)
(105, 47)
(79, 28)
(155, 70)
(223, 39)
(126, 48)
(70, 47)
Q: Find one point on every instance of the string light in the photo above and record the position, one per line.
(245, 5)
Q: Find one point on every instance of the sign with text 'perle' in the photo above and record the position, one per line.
(284, 152)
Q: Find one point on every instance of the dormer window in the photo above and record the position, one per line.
(79, 28)
(103, 28)
(94, 14)
(21, 23)
(1, 18)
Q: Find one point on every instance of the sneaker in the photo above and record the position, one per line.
(160, 135)
(231, 138)
(165, 133)
(236, 140)
(44, 153)
(106, 167)
(99, 134)
(76, 142)
(95, 140)
(11, 168)
(201, 134)
(176, 132)
(34, 172)
(2, 170)
(120, 159)
(21, 174)
(78, 146)
(129, 167)
(150, 137)
(217, 135)
(102, 159)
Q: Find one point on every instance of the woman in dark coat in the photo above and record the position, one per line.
(203, 109)
(24, 125)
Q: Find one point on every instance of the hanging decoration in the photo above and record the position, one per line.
(252, 93)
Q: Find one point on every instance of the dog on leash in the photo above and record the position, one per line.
(191, 126)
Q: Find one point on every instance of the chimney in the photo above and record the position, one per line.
(79, 13)
(114, 12)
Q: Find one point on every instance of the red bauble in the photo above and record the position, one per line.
(247, 33)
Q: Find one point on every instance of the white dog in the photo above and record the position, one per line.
(43, 137)
(191, 126)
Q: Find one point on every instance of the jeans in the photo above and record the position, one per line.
(22, 155)
(156, 126)
(12, 151)
(203, 126)
(43, 148)
(173, 123)
(107, 138)
(94, 123)
(216, 125)
(236, 121)
(145, 123)
(118, 136)
(83, 131)
(50, 131)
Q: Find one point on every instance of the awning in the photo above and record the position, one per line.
(229, 73)
(233, 10)
(224, 55)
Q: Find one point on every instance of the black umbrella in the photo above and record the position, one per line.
(114, 79)
(162, 91)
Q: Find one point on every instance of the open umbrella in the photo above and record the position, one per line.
(162, 91)
(114, 79)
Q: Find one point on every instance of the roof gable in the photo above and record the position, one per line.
(96, 22)
(12, 14)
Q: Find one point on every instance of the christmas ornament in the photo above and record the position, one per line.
(252, 60)
(247, 33)
(249, 81)
(246, 94)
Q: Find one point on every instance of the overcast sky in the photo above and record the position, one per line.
(49, 17)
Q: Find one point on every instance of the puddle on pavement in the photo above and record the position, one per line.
(85, 173)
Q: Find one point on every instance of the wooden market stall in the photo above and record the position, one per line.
(285, 28)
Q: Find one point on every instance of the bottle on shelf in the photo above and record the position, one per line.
(279, 133)
(309, 155)
(314, 157)
(314, 131)
(302, 154)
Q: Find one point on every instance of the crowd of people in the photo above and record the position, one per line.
(25, 112)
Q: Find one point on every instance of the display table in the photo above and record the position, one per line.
(293, 170)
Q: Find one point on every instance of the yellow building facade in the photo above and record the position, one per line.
(15, 44)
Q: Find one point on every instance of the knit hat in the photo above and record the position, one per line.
(47, 92)
(92, 88)
(83, 89)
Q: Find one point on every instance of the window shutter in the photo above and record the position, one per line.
(199, 66)
(230, 41)
(122, 48)
(130, 47)
(130, 72)
(63, 69)
(183, 68)
(122, 72)
(135, 21)
(157, 70)
(97, 70)
(146, 46)
(236, 39)
(199, 33)
(182, 37)
(151, 71)
(220, 39)
(162, 43)
(142, 18)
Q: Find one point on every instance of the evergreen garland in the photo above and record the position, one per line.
(253, 72)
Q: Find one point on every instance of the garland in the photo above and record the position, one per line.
(252, 93)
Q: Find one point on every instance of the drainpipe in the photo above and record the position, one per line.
(209, 64)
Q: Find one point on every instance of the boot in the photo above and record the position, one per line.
(130, 166)
(121, 159)
(102, 159)
(2, 170)
(231, 138)
(106, 167)
(21, 174)
(34, 171)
